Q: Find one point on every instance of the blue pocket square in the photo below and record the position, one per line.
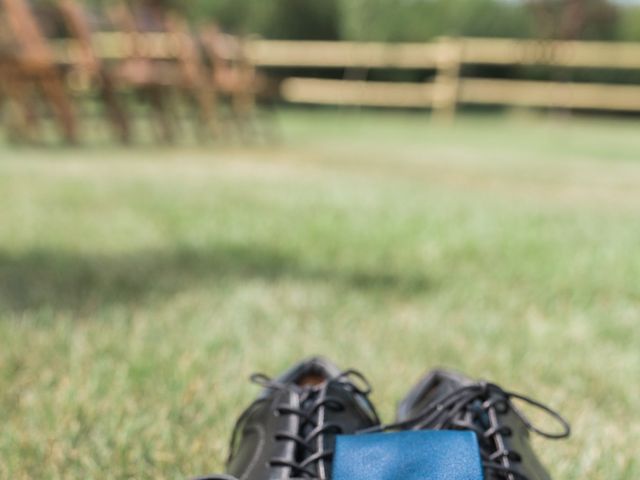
(411, 455)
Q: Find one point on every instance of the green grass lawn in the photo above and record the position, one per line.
(140, 288)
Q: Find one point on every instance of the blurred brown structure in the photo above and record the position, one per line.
(157, 78)
(149, 52)
(90, 67)
(232, 75)
(29, 64)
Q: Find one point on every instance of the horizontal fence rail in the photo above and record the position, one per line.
(282, 53)
(471, 91)
(479, 51)
(348, 92)
(550, 94)
(296, 53)
(445, 56)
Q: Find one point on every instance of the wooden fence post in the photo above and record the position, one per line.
(445, 93)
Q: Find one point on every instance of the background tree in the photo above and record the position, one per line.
(574, 19)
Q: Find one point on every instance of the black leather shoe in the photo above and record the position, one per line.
(446, 400)
(216, 477)
(289, 430)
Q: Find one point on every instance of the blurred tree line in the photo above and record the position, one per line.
(419, 20)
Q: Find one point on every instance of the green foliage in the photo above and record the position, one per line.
(312, 19)
(390, 20)
(407, 20)
(583, 19)
(317, 19)
(236, 15)
(418, 20)
(630, 25)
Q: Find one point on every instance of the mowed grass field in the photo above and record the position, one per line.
(140, 288)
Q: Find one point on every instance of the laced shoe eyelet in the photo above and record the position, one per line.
(515, 457)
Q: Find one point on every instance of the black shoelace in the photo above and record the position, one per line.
(478, 407)
(314, 401)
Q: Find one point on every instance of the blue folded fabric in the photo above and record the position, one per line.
(411, 455)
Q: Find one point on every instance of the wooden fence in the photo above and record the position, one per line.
(446, 89)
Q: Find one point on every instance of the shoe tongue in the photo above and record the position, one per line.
(309, 372)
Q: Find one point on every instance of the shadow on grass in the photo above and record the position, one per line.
(67, 281)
